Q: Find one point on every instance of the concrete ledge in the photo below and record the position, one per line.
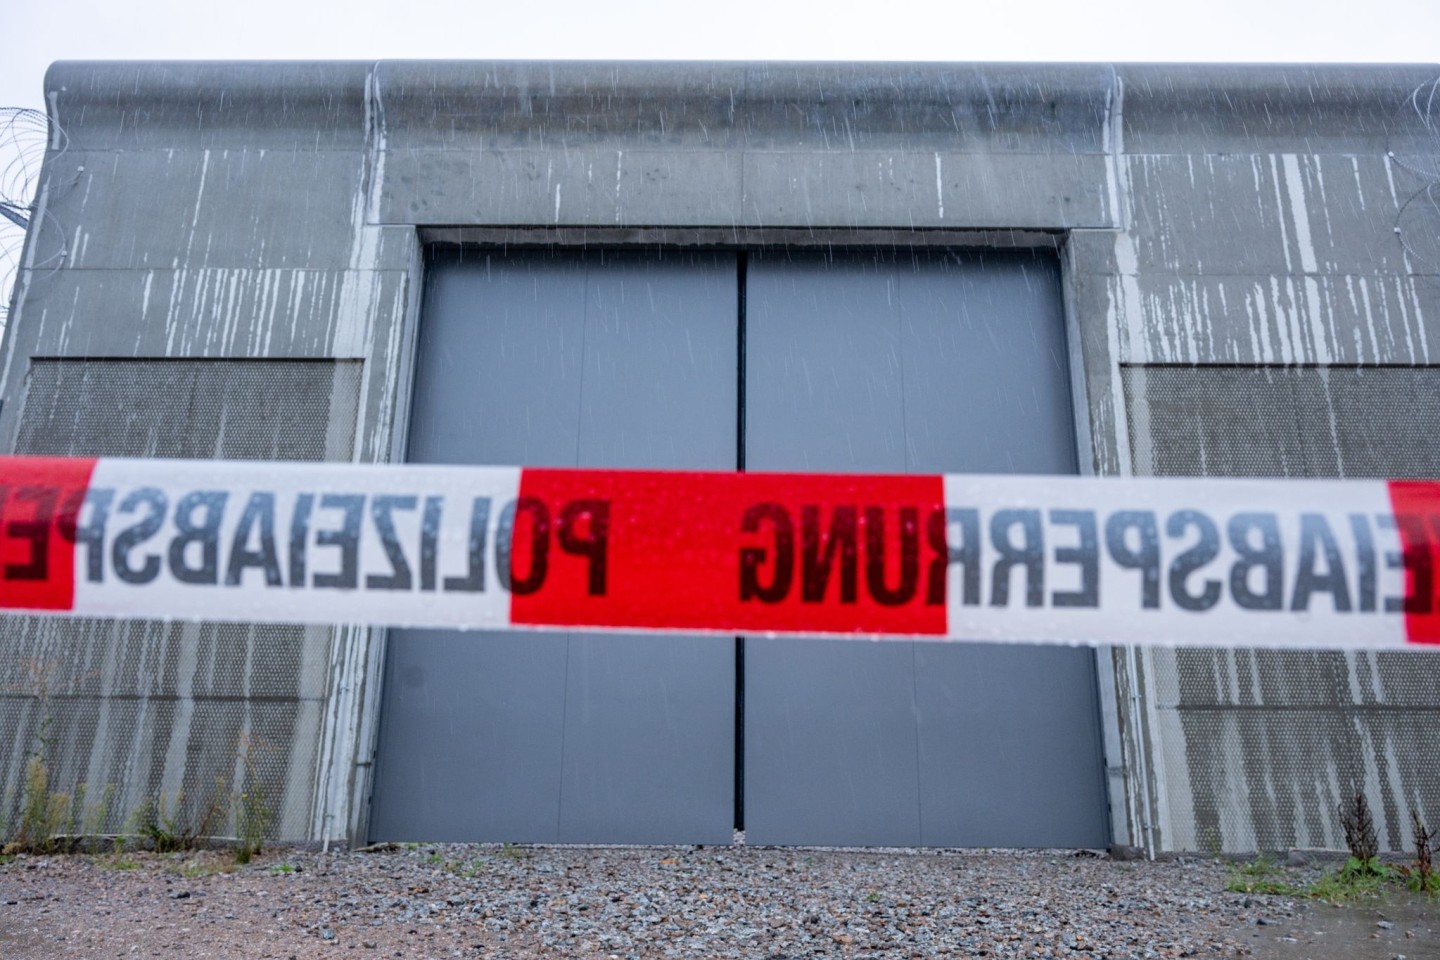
(1258, 108)
(717, 106)
(837, 106)
(189, 104)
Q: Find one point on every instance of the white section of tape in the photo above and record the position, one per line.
(1121, 615)
(326, 516)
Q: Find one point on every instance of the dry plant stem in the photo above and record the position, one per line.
(1423, 840)
(1359, 828)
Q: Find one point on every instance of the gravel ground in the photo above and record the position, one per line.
(627, 903)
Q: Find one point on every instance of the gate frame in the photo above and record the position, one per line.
(1112, 664)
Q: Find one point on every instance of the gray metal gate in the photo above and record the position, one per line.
(914, 364)
(543, 359)
(859, 363)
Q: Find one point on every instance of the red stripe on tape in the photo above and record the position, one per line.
(1417, 520)
(724, 551)
(40, 499)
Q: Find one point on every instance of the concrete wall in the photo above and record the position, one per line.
(1207, 215)
(217, 214)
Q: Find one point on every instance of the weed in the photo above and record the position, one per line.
(167, 825)
(1260, 876)
(50, 821)
(1362, 876)
(1417, 884)
(252, 819)
(1421, 877)
(76, 818)
(191, 869)
(252, 813)
(466, 871)
(42, 813)
(1359, 829)
(872, 897)
(1356, 880)
(169, 831)
(511, 852)
(6, 858)
(134, 824)
(1423, 838)
(285, 868)
(98, 815)
(216, 810)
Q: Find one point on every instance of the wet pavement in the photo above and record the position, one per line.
(1388, 929)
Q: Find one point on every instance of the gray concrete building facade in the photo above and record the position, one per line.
(1105, 269)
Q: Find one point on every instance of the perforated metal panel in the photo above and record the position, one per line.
(153, 711)
(1296, 766)
(1268, 421)
(227, 409)
(1272, 741)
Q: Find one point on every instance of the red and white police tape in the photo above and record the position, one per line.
(1295, 563)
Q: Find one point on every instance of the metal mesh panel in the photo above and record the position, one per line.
(169, 741)
(1272, 779)
(1260, 421)
(139, 711)
(132, 658)
(227, 409)
(1273, 740)
(1317, 679)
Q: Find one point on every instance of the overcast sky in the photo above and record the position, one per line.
(41, 31)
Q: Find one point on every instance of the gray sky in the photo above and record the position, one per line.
(41, 31)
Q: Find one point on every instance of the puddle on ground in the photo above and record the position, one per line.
(1386, 929)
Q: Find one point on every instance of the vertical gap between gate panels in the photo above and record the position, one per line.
(740, 264)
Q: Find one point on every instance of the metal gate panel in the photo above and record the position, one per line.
(566, 359)
(831, 746)
(909, 364)
(649, 740)
(1010, 747)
